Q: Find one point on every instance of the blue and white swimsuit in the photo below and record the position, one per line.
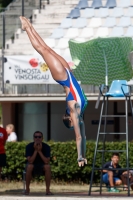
(76, 93)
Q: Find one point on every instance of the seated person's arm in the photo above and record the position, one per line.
(125, 172)
(105, 170)
(46, 160)
(31, 158)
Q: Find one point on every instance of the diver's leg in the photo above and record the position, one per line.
(62, 60)
(57, 69)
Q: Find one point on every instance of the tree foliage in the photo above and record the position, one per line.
(4, 4)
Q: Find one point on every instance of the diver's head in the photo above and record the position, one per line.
(68, 121)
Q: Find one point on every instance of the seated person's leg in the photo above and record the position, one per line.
(124, 178)
(47, 170)
(29, 169)
(105, 179)
(110, 177)
(117, 181)
(38, 170)
(111, 182)
(131, 182)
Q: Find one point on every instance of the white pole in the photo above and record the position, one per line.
(106, 69)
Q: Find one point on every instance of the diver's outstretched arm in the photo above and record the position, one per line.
(82, 130)
(79, 132)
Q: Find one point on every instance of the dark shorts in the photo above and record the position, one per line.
(38, 169)
(2, 160)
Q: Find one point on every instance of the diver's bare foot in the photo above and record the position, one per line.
(24, 23)
(30, 25)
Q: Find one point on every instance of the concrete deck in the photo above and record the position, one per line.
(64, 196)
(60, 198)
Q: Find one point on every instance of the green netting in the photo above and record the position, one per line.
(89, 60)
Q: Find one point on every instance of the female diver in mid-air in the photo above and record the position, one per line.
(61, 73)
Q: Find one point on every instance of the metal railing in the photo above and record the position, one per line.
(11, 16)
(9, 24)
(54, 89)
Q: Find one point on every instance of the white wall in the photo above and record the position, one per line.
(32, 117)
(92, 114)
(58, 131)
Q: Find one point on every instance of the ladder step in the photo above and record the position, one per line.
(113, 115)
(103, 186)
(112, 133)
(111, 150)
(126, 169)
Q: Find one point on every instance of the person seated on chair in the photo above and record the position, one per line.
(111, 177)
(124, 178)
(38, 160)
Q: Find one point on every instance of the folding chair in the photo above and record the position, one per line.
(117, 12)
(110, 22)
(124, 22)
(129, 12)
(103, 12)
(24, 180)
(74, 14)
(66, 23)
(111, 4)
(117, 32)
(124, 4)
(88, 13)
(80, 23)
(129, 32)
(96, 4)
(57, 33)
(82, 4)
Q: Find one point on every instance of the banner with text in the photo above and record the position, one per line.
(26, 70)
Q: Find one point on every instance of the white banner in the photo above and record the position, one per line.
(26, 70)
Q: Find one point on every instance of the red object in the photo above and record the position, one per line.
(33, 62)
(71, 64)
(3, 138)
